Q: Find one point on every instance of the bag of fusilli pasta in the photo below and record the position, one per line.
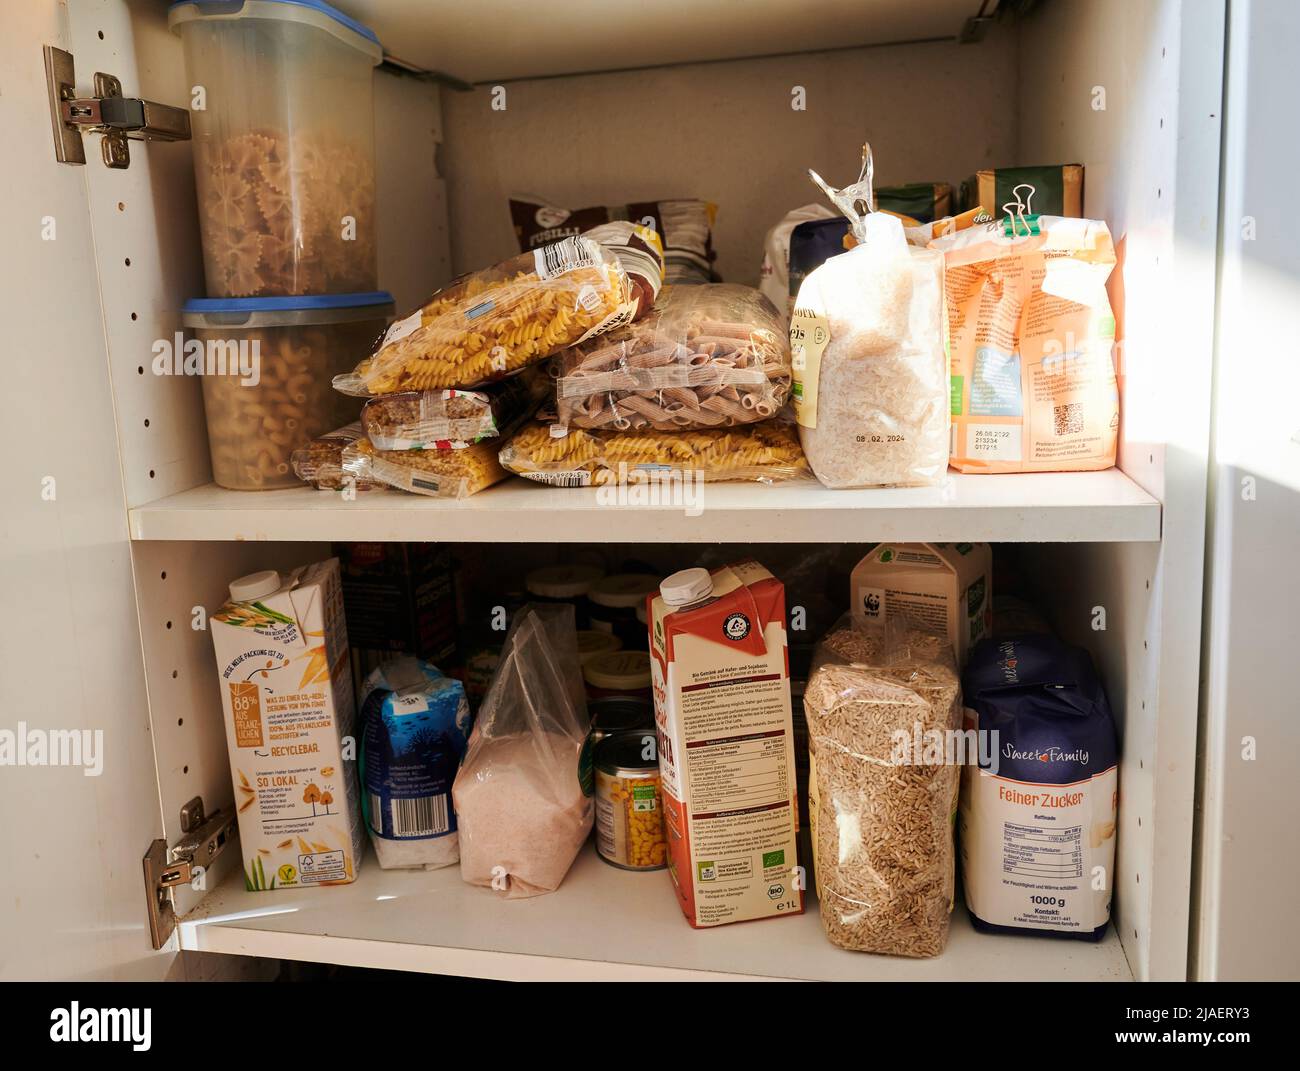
(437, 473)
(707, 356)
(574, 457)
(494, 322)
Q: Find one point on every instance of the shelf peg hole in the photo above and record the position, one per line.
(146, 422)
(127, 262)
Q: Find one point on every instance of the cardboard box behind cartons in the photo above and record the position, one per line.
(286, 690)
(400, 599)
(726, 753)
(945, 587)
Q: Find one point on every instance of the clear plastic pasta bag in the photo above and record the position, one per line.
(492, 323)
(870, 367)
(522, 813)
(575, 457)
(437, 473)
(883, 786)
(707, 356)
(452, 419)
(320, 462)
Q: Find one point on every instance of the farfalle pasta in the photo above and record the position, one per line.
(574, 457)
(494, 322)
(708, 356)
(286, 214)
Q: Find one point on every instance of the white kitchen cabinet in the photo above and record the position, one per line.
(681, 99)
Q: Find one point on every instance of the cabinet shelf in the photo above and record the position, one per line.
(1100, 507)
(602, 924)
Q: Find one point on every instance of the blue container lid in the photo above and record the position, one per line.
(287, 311)
(235, 7)
(289, 303)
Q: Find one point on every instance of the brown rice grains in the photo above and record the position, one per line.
(882, 830)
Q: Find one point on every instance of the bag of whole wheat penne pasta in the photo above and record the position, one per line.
(709, 356)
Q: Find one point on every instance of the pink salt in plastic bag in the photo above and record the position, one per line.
(520, 807)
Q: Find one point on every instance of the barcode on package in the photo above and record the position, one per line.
(425, 817)
(572, 478)
(1069, 418)
(566, 255)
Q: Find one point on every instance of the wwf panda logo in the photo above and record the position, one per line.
(872, 603)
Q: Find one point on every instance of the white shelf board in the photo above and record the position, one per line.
(601, 924)
(1099, 507)
(496, 40)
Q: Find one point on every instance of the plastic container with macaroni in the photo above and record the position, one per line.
(266, 365)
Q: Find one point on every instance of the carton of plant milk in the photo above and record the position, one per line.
(726, 743)
(286, 690)
(944, 587)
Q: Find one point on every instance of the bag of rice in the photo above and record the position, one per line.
(867, 344)
(414, 725)
(520, 805)
(880, 813)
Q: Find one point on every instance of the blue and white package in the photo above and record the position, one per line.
(1037, 815)
(414, 728)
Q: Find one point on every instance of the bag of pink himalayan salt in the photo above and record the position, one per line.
(520, 807)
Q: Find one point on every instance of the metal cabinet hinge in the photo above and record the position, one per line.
(107, 112)
(205, 838)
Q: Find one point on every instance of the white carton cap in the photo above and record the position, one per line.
(687, 586)
(255, 585)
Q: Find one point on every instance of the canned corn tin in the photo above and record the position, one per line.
(629, 805)
(610, 716)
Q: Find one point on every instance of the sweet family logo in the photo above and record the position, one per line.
(27, 746)
(133, 1026)
(179, 356)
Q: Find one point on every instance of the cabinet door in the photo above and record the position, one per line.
(78, 784)
(1247, 926)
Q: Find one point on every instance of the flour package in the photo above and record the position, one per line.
(1037, 815)
(867, 345)
(414, 725)
(1031, 333)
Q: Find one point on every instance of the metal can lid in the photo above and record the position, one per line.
(592, 642)
(633, 754)
(627, 671)
(617, 713)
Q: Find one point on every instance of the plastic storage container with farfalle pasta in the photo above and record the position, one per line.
(267, 364)
(283, 145)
